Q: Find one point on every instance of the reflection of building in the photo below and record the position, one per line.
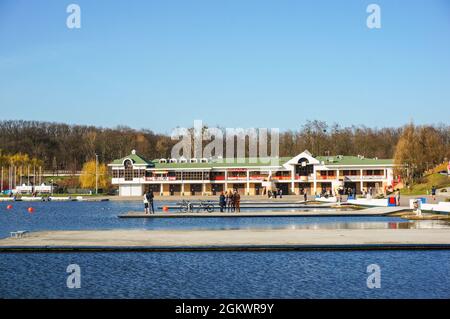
(314, 175)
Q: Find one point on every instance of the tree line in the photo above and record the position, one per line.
(67, 147)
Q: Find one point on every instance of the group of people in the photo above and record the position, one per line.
(274, 193)
(230, 201)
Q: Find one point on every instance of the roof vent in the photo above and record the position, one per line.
(133, 152)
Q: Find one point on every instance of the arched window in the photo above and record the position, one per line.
(303, 168)
(128, 170)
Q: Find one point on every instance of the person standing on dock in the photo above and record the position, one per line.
(305, 196)
(237, 202)
(145, 204)
(222, 202)
(229, 199)
(150, 201)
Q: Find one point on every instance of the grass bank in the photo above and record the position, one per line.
(423, 187)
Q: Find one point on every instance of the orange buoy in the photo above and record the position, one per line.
(9, 207)
(165, 208)
(30, 210)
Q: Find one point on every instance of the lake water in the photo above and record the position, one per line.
(404, 274)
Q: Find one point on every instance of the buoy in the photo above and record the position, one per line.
(9, 207)
(30, 210)
(165, 208)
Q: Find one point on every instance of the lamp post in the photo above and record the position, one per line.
(96, 174)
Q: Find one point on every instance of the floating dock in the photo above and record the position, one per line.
(228, 240)
(373, 211)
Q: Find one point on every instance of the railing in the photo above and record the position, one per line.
(160, 178)
(320, 177)
(282, 177)
(258, 177)
(58, 173)
(239, 178)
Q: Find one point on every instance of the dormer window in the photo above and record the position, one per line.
(128, 163)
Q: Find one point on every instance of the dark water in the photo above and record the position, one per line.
(405, 274)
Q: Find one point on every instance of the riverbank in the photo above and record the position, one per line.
(243, 239)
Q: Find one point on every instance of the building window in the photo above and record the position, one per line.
(128, 170)
(193, 176)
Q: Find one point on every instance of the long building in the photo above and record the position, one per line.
(293, 175)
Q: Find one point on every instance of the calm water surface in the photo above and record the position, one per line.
(103, 215)
(405, 274)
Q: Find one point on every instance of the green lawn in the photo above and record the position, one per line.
(438, 180)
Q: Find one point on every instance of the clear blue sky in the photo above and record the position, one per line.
(236, 63)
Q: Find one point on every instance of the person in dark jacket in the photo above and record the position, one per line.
(237, 201)
(222, 202)
(149, 196)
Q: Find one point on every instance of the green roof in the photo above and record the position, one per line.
(252, 162)
(353, 160)
(241, 162)
(137, 159)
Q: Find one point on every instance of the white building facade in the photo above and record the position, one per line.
(303, 173)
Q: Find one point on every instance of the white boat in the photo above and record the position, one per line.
(31, 199)
(60, 198)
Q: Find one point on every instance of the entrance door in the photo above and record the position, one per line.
(196, 188)
(258, 189)
(283, 186)
(174, 189)
(216, 188)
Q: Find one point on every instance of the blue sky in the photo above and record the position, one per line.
(235, 63)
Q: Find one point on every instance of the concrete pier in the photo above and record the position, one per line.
(231, 240)
(374, 211)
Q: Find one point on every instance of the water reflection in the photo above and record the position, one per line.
(426, 224)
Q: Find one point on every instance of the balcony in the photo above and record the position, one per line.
(282, 178)
(160, 178)
(363, 177)
(237, 178)
(258, 177)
